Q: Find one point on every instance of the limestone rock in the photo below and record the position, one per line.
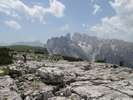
(8, 89)
(51, 75)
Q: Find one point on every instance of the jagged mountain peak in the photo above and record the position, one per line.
(92, 48)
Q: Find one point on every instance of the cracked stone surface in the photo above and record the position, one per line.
(67, 81)
(8, 89)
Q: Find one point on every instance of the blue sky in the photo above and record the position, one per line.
(29, 20)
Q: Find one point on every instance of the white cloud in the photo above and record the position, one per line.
(56, 8)
(96, 9)
(119, 26)
(13, 24)
(18, 8)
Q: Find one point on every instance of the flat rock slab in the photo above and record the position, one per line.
(99, 93)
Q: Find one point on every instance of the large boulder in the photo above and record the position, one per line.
(54, 75)
(51, 75)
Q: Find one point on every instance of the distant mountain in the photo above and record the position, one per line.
(92, 48)
(4, 44)
(32, 43)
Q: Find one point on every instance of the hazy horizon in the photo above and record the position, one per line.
(39, 20)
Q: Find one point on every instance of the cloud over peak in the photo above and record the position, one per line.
(118, 26)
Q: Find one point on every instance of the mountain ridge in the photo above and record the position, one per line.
(92, 48)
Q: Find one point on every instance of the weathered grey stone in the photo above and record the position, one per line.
(38, 91)
(64, 92)
(72, 97)
(51, 75)
(69, 81)
(59, 98)
(8, 89)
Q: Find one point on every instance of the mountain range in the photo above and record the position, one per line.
(30, 43)
(92, 48)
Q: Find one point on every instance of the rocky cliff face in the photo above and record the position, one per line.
(92, 48)
(64, 45)
(66, 81)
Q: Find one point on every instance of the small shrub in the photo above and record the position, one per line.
(121, 63)
(71, 59)
(55, 58)
(4, 71)
(100, 61)
(40, 50)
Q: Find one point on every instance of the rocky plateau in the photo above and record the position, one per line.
(66, 81)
